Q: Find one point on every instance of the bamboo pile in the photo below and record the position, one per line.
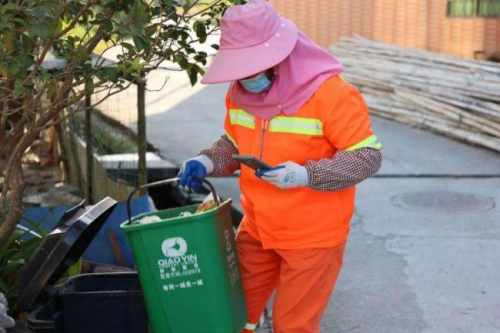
(452, 96)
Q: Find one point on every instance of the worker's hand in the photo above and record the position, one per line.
(194, 167)
(286, 175)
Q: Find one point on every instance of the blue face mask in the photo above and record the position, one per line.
(258, 84)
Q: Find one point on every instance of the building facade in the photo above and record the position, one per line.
(465, 28)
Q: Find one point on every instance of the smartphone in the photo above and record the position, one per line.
(252, 162)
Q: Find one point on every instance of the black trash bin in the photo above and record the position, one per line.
(87, 303)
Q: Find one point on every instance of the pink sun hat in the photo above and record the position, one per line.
(254, 38)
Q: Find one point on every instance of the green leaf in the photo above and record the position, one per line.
(142, 43)
(193, 75)
(156, 11)
(200, 70)
(182, 61)
(76, 269)
(82, 53)
(151, 30)
(111, 74)
(12, 68)
(14, 254)
(138, 43)
(100, 18)
(38, 30)
(136, 67)
(139, 16)
(187, 5)
(18, 88)
(3, 71)
(8, 41)
(38, 12)
(44, 74)
(27, 43)
(201, 57)
(124, 35)
(57, 27)
(215, 46)
(51, 90)
(138, 11)
(146, 40)
(25, 61)
(89, 85)
(201, 31)
(37, 228)
(128, 46)
(17, 262)
(19, 23)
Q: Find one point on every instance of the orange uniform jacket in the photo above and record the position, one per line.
(335, 118)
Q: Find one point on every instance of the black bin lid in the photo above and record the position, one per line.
(60, 250)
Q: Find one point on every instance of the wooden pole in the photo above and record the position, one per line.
(141, 133)
(89, 150)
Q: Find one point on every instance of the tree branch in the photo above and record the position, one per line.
(16, 202)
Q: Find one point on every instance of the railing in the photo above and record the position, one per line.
(106, 146)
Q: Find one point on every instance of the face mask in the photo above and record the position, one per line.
(257, 84)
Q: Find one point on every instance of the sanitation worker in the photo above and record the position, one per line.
(288, 106)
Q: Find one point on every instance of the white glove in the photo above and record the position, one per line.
(286, 175)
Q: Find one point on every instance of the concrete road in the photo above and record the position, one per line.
(424, 251)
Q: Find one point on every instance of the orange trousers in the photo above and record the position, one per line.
(303, 280)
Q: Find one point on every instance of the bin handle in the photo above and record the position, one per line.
(165, 182)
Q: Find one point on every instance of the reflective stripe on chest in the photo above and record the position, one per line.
(295, 125)
(306, 126)
(242, 118)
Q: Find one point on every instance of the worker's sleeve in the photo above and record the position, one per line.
(347, 122)
(347, 127)
(221, 152)
(345, 169)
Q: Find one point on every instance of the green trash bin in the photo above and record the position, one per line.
(188, 268)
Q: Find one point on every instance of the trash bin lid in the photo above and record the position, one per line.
(61, 249)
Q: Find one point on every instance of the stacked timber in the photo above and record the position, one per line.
(452, 96)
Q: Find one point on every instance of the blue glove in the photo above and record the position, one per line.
(285, 176)
(194, 167)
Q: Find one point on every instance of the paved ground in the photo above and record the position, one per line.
(423, 255)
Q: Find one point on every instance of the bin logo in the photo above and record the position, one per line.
(174, 247)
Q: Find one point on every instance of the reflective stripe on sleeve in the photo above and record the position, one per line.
(371, 142)
(251, 327)
(242, 118)
(307, 126)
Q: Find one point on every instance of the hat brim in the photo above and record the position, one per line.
(236, 64)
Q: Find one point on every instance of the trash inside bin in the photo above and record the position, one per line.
(97, 303)
(188, 269)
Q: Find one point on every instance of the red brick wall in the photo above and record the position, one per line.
(491, 35)
(414, 23)
(461, 36)
(401, 22)
(326, 21)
